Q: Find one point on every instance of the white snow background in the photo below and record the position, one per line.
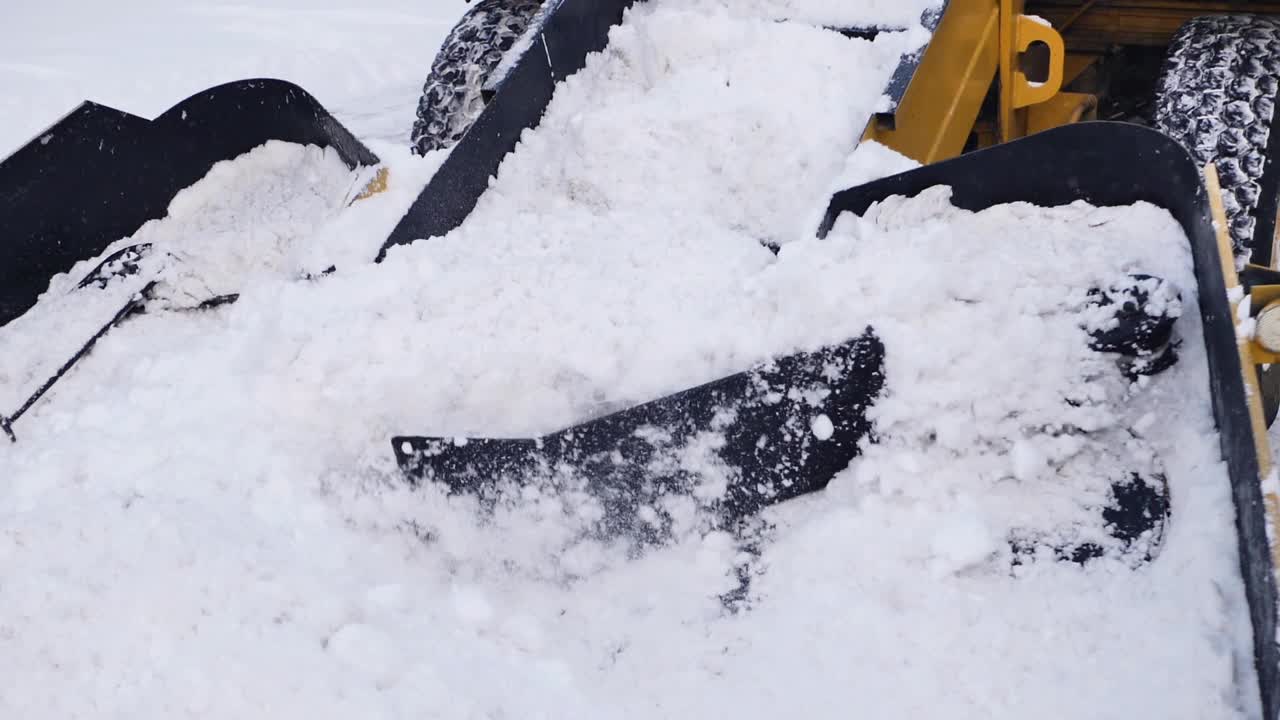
(364, 61)
(204, 518)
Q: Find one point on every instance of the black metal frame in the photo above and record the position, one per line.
(98, 174)
(1108, 163)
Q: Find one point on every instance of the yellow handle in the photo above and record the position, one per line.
(1027, 31)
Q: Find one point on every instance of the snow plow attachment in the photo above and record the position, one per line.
(762, 427)
(52, 202)
(774, 450)
(563, 35)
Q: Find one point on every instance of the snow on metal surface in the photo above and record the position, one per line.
(204, 520)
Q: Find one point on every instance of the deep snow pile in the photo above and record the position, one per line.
(204, 519)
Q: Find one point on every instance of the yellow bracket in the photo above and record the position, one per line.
(1030, 30)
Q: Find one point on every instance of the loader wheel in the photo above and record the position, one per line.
(451, 98)
(1216, 95)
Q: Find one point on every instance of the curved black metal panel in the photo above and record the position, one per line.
(99, 173)
(1120, 164)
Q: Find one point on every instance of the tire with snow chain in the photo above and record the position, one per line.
(451, 98)
(1216, 95)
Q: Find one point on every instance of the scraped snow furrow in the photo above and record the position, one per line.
(205, 520)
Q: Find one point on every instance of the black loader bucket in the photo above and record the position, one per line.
(613, 457)
(99, 174)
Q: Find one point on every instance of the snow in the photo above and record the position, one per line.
(53, 331)
(204, 518)
(895, 14)
(365, 62)
(822, 427)
(1246, 325)
(245, 217)
(522, 45)
(1267, 329)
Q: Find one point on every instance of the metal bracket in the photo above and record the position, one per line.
(1018, 32)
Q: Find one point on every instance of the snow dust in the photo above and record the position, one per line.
(204, 519)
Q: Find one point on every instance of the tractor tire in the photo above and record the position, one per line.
(1216, 95)
(451, 97)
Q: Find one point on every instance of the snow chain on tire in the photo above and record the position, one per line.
(1216, 95)
(451, 98)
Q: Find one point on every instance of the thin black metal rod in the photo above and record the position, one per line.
(6, 423)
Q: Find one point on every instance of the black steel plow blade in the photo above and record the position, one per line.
(734, 445)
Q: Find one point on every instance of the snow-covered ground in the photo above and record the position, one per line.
(204, 519)
(364, 61)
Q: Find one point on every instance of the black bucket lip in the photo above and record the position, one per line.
(98, 174)
(1112, 164)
